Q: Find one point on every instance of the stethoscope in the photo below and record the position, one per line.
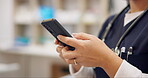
(116, 50)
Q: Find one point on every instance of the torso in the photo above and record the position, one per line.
(136, 38)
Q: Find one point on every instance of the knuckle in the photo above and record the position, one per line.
(81, 45)
(65, 56)
(60, 55)
(68, 61)
(67, 41)
(58, 49)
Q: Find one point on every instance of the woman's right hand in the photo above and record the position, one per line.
(59, 49)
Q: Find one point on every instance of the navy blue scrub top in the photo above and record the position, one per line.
(136, 38)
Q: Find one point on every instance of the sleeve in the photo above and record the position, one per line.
(127, 70)
(84, 72)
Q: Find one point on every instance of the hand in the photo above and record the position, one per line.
(59, 50)
(90, 52)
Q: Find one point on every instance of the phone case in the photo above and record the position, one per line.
(55, 28)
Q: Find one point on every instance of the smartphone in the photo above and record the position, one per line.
(55, 28)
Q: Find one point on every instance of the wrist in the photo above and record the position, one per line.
(107, 58)
(111, 64)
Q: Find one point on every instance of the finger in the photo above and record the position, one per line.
(59, 49)
(82, 36)
(69, 41)
(67, 54)
(71, 61)
(56, 42)
(61, 56)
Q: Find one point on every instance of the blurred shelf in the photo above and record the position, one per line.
(32, 45)
(41, 51)
(4, 68)
(29, 44)
(75, 15)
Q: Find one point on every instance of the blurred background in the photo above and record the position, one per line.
(27, 50)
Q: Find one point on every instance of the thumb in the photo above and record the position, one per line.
(82, 36)
(68, 40)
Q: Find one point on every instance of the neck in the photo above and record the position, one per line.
(138, 5)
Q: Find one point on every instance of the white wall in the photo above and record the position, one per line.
(119, 5)
(6, 24)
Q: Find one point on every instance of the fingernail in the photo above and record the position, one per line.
(58, 37)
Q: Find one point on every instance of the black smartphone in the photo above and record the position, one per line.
(55, 28)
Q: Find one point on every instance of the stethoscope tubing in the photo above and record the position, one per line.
(126, 32)
(110, 24)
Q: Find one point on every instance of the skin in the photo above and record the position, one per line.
(91, 51)
(138, 5)
(88, 55)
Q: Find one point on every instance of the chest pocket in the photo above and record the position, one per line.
(140, 49)
(138, 39)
